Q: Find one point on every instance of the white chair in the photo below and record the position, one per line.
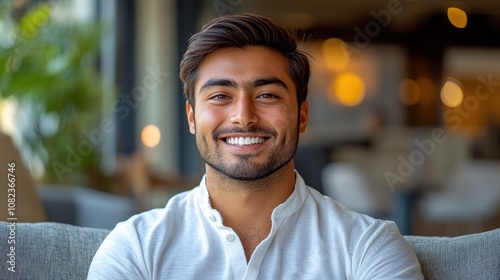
(346, 183)
(470, 196)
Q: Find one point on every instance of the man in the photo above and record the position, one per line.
(252, 216)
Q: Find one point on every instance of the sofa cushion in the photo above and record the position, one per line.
(62, 251)
(50, 250)
(474, 256)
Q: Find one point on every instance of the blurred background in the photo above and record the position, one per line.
(404, 107)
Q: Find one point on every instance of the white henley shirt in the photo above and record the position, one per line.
(312, 237)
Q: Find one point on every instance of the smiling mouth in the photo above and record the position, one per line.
(244, 141)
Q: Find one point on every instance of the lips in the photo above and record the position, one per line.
(244, 141)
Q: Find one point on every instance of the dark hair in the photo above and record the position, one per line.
(240, 31)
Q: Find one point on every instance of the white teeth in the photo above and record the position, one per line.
(242, 141)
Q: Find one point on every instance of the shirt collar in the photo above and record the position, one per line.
(285, 209)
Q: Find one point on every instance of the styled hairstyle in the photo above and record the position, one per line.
(240, 31)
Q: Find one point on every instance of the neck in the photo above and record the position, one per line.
(246, 206)
(250, 197)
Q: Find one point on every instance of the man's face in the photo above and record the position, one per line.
(246, 117)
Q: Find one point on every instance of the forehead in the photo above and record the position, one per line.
(244, 65)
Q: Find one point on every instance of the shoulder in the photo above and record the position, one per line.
(354, 227)
(127, 251)
(376, 247)
(332, 209)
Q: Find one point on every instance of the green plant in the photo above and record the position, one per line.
(49, 68)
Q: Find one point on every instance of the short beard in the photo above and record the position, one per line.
(244, 170)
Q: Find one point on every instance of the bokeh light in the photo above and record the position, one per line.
(457, 17)
(348, 89)
(150, 136)
(409, 92)
(452, 94)
(335, 54)
(427, 91)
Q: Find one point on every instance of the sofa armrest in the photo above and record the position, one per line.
(49, 250)
(473, 256)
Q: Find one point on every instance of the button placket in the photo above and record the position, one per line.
(212, 218)
(235, 252)
(230, 237)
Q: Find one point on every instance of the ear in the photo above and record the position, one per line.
(303, 115)
(190, 117)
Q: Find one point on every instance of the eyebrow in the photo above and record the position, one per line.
(253, 84)
(269, 81)
(218, 82)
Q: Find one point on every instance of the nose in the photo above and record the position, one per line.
(244, 113)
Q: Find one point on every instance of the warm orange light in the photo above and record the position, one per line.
(150, 136)
(427, 88)
(457, 17)
(451, 93)
(335, 54)
(348, 89)
(409, 92)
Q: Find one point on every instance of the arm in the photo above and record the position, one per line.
(120, 256)
(383, 253)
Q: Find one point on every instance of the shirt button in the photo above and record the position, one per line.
(212, 218)
(230, 237)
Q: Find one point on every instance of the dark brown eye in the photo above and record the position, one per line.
(268, 95)
(219, 97)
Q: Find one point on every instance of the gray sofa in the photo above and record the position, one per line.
(80, 206)
(61, 251)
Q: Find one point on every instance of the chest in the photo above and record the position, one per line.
(222, 257)
(250, 238)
